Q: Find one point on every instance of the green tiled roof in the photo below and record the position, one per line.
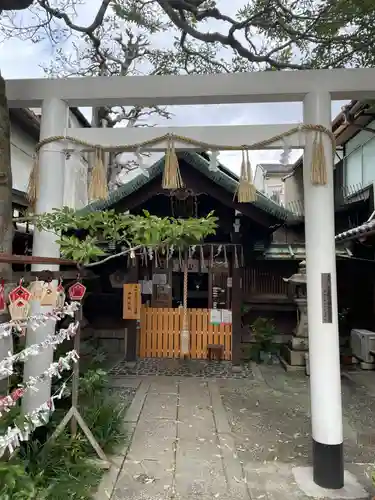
(223, 177)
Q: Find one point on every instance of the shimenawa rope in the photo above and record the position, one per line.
(246, 191)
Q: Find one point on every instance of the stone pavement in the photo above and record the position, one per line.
(231, 439)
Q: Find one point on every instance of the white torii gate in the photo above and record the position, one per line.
(315, 89)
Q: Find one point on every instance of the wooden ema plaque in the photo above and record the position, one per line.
(132, 301)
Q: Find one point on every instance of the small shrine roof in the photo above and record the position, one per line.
(293, 251)
(222, 176)
(364, 229)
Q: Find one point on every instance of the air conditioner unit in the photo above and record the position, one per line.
(362, 343)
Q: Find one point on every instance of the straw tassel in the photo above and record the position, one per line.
(33, 185)
(98, 189)
(318, 162)
(171, 175)
(246, 191)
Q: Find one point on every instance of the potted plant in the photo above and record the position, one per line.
(346, 353)
(263, 346)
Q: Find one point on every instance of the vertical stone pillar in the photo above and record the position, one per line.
(51, 193)
(324, 355)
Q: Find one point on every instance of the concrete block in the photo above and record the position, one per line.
(352, 489)
(367, 366)
(307, 359)
(294, 358)
(291, 368)
(300, 343)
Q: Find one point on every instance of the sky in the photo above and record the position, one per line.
(24, 59)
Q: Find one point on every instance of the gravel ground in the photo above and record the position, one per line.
(181, 368)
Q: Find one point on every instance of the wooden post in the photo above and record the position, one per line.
(236, 304)
(131, 324)
(75, 381)
(184, 334)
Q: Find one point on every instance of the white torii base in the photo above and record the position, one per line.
(352, 489)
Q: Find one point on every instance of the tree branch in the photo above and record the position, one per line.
(15, 4)
(110, 257)
(215, 37)
(69, 23)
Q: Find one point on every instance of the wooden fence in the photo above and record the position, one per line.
(161, 329)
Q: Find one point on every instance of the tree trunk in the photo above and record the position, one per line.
(6, 225)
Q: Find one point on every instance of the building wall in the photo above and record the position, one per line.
(22, 148)
(274, 188)
(359, 161)
(259, 179)
(269, 183)
(293, 191)
(22, 151)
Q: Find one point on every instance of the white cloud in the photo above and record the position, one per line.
(23, 59)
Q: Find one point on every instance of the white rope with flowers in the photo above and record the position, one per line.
(19, 309)
(54, 370)
(18, 325)
(53, 340)
(37, 418)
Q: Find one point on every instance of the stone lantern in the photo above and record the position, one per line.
(294, 355)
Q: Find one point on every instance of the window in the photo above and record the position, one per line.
(276, 193)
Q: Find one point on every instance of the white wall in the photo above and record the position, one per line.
(259, 178)
(22, 150)
(293, 191)
(268, 183)
(359, 161)
(274, 183)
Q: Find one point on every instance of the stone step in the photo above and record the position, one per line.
(294, 358)
(300, 344)
(290, 368)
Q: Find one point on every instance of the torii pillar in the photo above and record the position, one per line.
(54, 121)
(325, 380)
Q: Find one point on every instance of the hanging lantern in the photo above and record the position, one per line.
(77, 291)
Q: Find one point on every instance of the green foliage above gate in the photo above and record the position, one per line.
(93, 231)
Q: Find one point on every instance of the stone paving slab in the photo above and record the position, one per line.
(145, 480)
(163, 385)
(231, 439)
(194, 430)
(204, 451)
(160, 405)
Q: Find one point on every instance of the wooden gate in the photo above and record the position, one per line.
(161, 327)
